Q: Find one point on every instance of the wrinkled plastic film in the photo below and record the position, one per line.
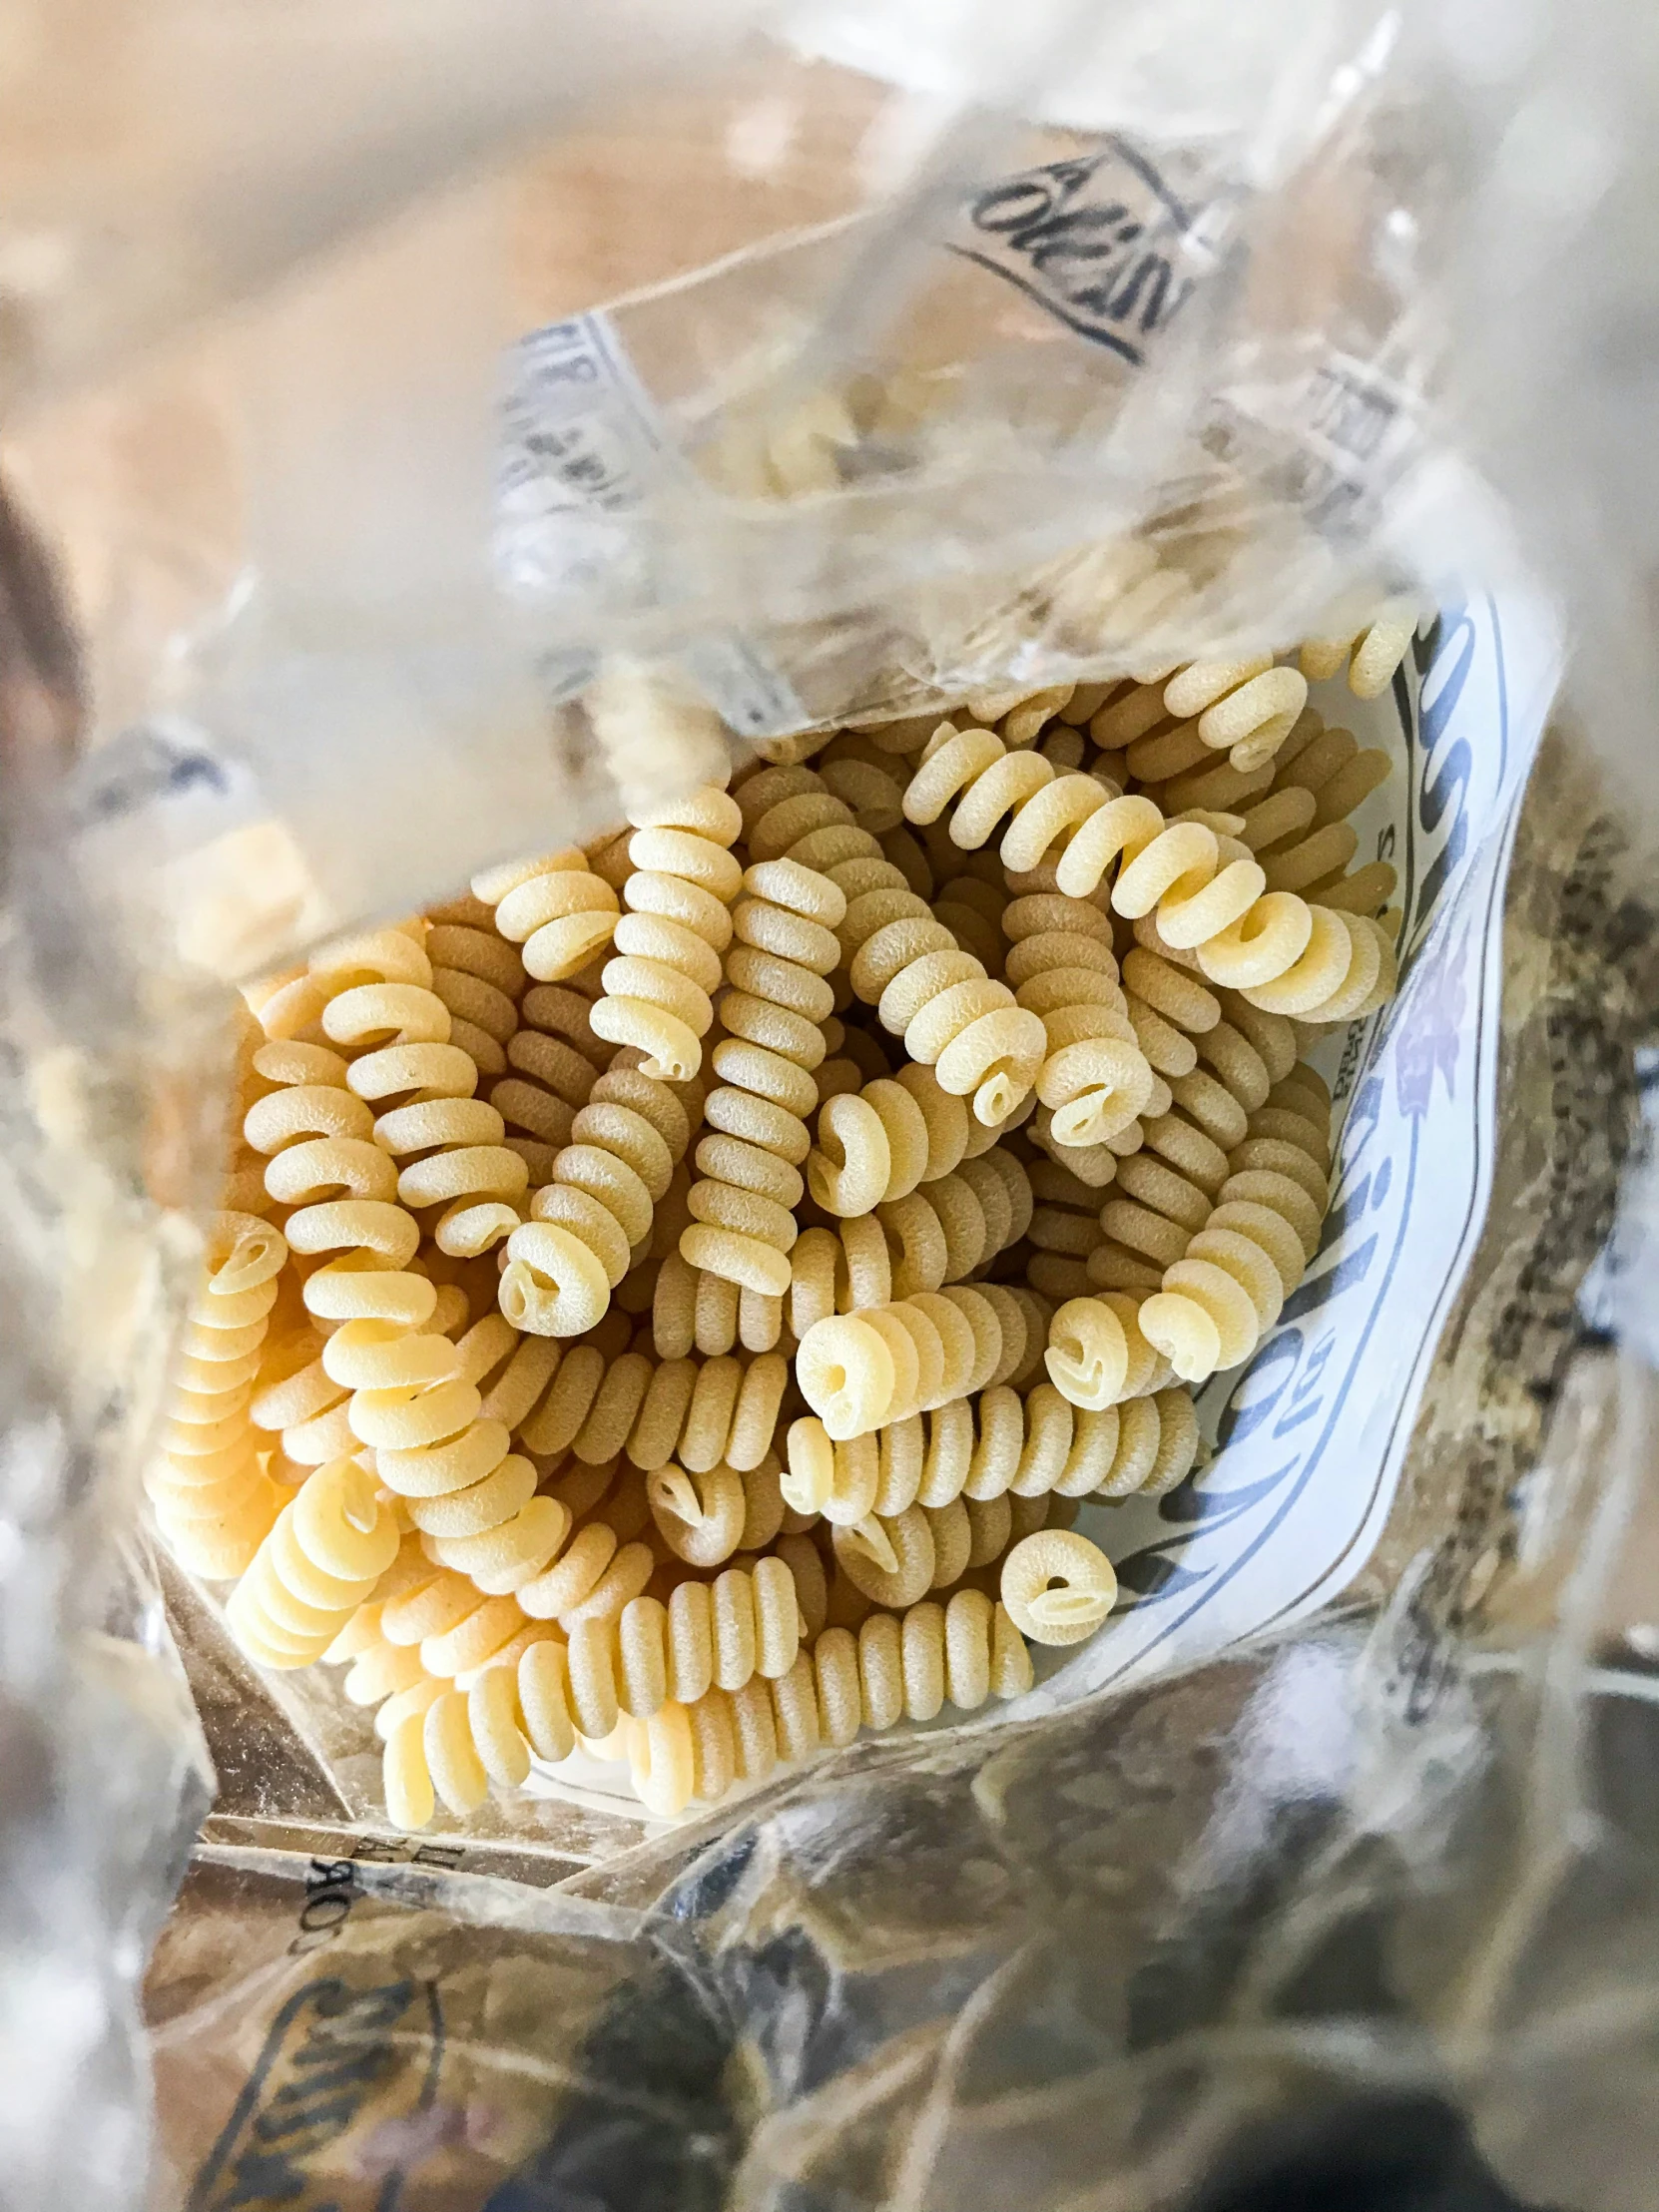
(1308, 1901)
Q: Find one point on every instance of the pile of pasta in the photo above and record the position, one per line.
(677, 1296)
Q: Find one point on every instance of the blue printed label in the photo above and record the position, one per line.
(1314, 1432)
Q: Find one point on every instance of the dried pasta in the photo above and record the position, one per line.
(1372, 648)
(557, 909)
(213, 1498)
(570, 1395)
(784, 946)
(593, 1217)
(659, 989)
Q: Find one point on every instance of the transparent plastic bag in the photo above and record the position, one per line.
(329, 668)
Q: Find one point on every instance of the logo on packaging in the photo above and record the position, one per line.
(332, 2051)
(1099, 239)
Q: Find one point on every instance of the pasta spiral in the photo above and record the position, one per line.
(383, 1378)
(556, 908)
(591, 1221)
(784, 946)
(1218, 1301)
(1087, 1587)
(213, 1501)
(998, 1444)
(315, 1134)
(1098, 1354)
(943, 1232)
(859, 1372)
(450, 1140)
(907, 1666)
(326, 1552)
(1096, 1078)
(1322, 778)
(1373, 647)
(417, 1405)
(450, 1743)
(659, 989)
(1065, 1228)
(1192, 878)
(952, 1016)
(480, 978)
(596, 1404)
(1244, 708)
(878, 1144)
(553, 1060)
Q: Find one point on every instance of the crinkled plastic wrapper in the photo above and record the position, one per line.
(1065, 385)
(1371, 1896)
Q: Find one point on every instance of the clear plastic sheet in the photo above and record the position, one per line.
(890, 443)
(1371, 1901)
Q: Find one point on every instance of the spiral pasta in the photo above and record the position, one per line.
(704, 1463)
(909, 1666)
(945, 1233)
(952, 1017)
(327, 1550)
(556, 908)
(659, 989)
(1372, 649)
(553, 1059)
(879, 1144)
(597, 1405)
(859, 1372)
(784, 946)
(1057, 1587)
(1190, 879)
(1096, 1078)
(592, 1219)
(481, 981)
(1244, 708)
(450, 1744)
(213, 1501)
(1218, 1299)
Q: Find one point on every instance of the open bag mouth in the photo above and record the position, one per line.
(824, 1190)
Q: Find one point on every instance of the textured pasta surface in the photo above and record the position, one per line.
(675, 1298)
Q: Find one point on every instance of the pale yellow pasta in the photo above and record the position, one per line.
(481, 979)
(1098, 1354)
(1246, 708)
(950, 1013)
(659, 990)
(700, 1516)
(714, 1746)
(1217, 1301)
(643, 1657)
(756, 1728)
(909, 1665)
(556, 908)
(794, 1709)
(594, 1703)
(596, 1211)
(553, 1060)
(1057, 1587)
(862, 1371)
(325, 1551)
(1208, 895)
(213, 1501)
(1095, 1079)
(890, 1561)
(691, 1641)
(661, 1757)
(784, 946)
(1377, 644)
(1065, 1227)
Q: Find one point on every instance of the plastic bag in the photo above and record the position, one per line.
(312, 703)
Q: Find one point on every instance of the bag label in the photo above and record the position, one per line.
(1099, 239)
